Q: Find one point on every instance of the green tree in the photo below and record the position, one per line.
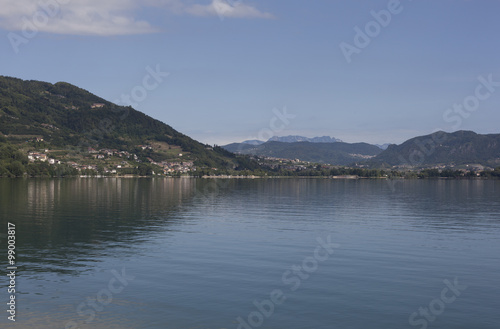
(16, 168)
(144, 169)
(3, 170)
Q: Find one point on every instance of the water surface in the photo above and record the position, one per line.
(201, 253)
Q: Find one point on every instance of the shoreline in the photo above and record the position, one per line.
(346, 177)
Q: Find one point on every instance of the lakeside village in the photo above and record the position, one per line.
(112, 162)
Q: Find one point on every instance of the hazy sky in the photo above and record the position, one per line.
(374, 71)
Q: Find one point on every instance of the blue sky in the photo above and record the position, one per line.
(235, 65)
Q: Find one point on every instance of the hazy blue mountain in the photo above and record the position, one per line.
(239, 148)
(338, 153)
(253, 142)
(383, 146)
(441, 148)
(295, 138)
(446, 149)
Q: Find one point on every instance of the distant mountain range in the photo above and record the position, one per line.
(338, 153)
(72, 123)
(438, 149)
(253, 142)
(324, 149)
(294, 139)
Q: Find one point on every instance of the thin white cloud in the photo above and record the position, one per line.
(80, 17)
(109, 17)
(227, 8)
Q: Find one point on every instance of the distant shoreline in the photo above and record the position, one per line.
(260, 177)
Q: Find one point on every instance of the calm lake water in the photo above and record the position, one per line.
(276, 253)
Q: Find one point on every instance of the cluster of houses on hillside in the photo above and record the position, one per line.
(174, 167)
(34, 156)
(168, 167)
(177, 167)
(294, 167)
(280, 163)
(103, 153)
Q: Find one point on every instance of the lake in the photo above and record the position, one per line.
(264, 253)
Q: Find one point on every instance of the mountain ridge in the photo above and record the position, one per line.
(71, 123)
(338, 153)
(71, 120)
(442, 149)
(297, 138)
(439, 149)
(293, 139)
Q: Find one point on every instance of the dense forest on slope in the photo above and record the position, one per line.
(66, 117)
